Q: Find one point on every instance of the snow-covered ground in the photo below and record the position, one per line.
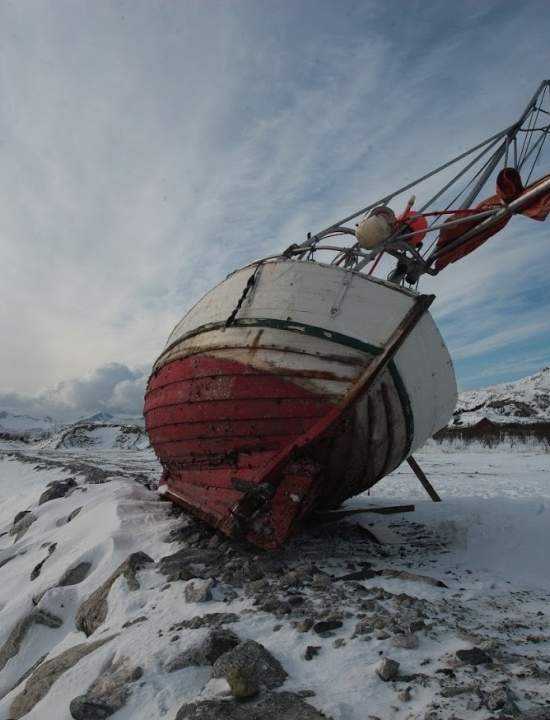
(488, 542)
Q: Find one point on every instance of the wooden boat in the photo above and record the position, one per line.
(295, 384)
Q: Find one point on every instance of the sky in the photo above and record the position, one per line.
(149, 148)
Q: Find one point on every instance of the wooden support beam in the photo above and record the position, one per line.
(426, 484)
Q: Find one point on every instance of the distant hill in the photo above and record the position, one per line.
(510, 412)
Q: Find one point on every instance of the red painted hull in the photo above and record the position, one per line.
(215, 425)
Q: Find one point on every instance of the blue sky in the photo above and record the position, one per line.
(148, 148)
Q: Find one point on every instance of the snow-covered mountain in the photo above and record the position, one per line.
(99, 435)
(525, 401)
(25, 424)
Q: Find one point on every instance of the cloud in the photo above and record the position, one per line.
(114, 388)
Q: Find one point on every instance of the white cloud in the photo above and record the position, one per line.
(114, 388)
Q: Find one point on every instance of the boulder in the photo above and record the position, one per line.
(57, 489)
(247, 658)
(22, 523)
(41, 680)
(13, 643)
(199, 591)
(216, 643)
(76, 574)
(272, 706)
(108, 693)
(473, 656)
(189, 563)
(93, 611)
(387, 669)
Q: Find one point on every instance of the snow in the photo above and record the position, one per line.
(488, 540)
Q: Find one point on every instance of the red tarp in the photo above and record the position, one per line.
(509, 187)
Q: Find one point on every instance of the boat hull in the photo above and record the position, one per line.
(226, 404)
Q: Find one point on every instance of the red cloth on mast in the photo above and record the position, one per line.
(509, 187)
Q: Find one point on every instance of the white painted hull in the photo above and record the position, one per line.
(342, 303)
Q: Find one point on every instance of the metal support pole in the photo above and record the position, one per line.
(426, 484)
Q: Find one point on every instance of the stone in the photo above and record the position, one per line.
(364, 574)
(41, 680)
(37, 569)
(321, 582)
(251, 656)
(405, 695)
(381, 635)
(19, 528)
(311, 652)
(208, 620)
(501, 699)
(108, 693)
(76, 574)
(243, 682)
(15, 639)
(73, 514)
(413, 577)
(216, 643)
(93, 611)
(304, 625)
(271, 706)
(57, 489)
(324, 626)
(473, 656)
(199, 591)
(189, 563)
(408, 641)
(387, 669)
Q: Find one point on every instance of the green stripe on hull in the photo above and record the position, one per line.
(318, 332)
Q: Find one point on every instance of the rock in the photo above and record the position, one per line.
(73, 514)
(37, 569)
(311, 652)
(409, 641)
(243, 681)
(321, 582)
(76, 574)
(93, 611)
(251, 656)
(363, 627)
(108, 693)
(189, 563)
(502, 699)
(216, 643)
(304, 625)
(13, 643)
(208, 620)
(324, 626)
(135, 621)
(473, 656)
(57, 489)
(413, 577)
(41, 680)
(387, 669)
(19, 516)
(381, 635)
(199, 591)
(272, 706)
(364, 574)
(405, 695)
(24, 520)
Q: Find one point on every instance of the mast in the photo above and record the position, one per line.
(502, 146)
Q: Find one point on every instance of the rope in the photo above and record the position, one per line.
(247, 288)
